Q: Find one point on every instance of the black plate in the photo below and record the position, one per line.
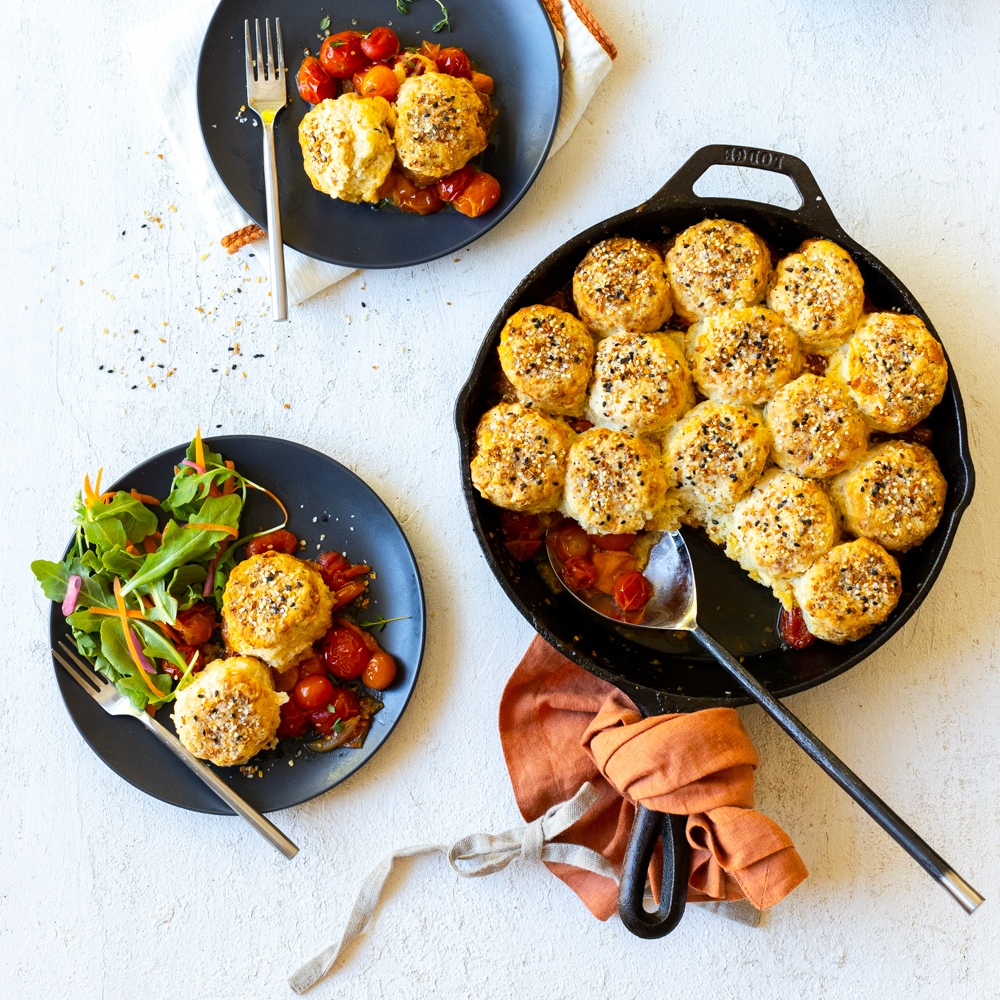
(311, 486)
(665, 671)
(512, 40)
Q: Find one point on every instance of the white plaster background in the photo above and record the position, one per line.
(105, 892)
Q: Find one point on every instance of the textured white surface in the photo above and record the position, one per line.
(107, 893)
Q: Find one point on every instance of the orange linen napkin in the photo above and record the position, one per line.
(561, 726)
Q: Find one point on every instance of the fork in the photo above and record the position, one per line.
(266, 95)
(106, 695)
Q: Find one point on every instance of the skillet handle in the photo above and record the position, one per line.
(646, 829)
(679, 190)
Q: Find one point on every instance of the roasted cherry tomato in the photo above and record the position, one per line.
(294, 721)
(334, 567)
(454, 62)
(285, 680)
(345, 654)
(276, 541)
(482, 82)
(196, 625)
(479, 196)
(186, 652)
(571, 542)
(343, 705)
(376, 81)
(613, 543)
(579, 573)
(381, 43)
(523, 548)
(407, 196)
(515, 524)
(380, 671)
(311, 665)
(450, 187)
(792, 629)
(341, 54)
(919, 434)
(313, 692)
(314, 82)
(632, 591)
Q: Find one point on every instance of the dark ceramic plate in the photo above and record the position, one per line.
(667, 671)
(512, 40)
(313, 487)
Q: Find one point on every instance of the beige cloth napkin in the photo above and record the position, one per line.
(170, 82)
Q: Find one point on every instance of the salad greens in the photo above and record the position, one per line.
(129, 568)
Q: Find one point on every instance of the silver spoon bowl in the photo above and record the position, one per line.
(674, 606)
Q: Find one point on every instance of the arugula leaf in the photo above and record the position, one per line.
(84, 621)
(129, 682)
(88, 644)
(187, 544)
(164, 607)
(189, 489)
(54, 579)
(92, 561)
(120, 563)
(123, 520)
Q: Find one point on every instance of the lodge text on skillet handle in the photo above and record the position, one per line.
(647, 827)
(814, 211)
(908, 839)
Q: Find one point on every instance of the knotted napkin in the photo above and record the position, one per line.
(561, 727)
(165, 59)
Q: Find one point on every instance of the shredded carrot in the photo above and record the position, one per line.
(113, 611)
(144, 498)
(131, 549)
(92, 494)
(106, 497)
(199, 449)
(254, 486)
(149, 544)
(230, 484)
(123, 614)
(214, 527)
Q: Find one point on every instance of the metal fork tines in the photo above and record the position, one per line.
(267, 95)
(108, 697)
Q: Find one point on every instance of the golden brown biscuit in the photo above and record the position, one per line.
(781, 528)
(816, 431)
(521, 455)
(712, 457)
(442, 122)
(547, 354)
(229, 712)
(894, 370)
(347, 148)
(819, 292)
(895, 496)
(275, 607)
(849, 591)
(641, 383)
(621, 286)
(717, 263)
(614, 483)
(742, 355)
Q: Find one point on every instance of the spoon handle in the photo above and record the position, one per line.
(908, 839)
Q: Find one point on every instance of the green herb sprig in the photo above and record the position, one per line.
(380, 622)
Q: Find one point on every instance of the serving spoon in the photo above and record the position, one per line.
(674, 605)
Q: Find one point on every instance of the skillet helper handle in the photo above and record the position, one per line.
(908, 839)
(814, 211)
(647, 827)
(263, 826)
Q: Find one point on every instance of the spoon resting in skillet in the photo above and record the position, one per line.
(674, 605)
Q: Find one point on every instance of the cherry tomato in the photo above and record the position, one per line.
(613, 543)
(196, 625)
(515, 524)
(450, 187)
(421, 201)
(792, 629)
(275, 541)
(285, 680)
(632, 591)
(381, 43)
(314, 82)
(919, 434)
(311, 665)
(345, 654)
(294, 721)
(571, 542)
(454, 62)
(579, 573)
(343, 704)
(380, 672)
(479, 196)
(523, 549)
(482, 82)
(333, 566)
(312, 692)
(341, 54)
(376, 81)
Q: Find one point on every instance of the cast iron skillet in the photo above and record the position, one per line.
(672, 674)
(513, 41)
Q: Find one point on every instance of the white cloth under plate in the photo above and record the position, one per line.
(170, 82)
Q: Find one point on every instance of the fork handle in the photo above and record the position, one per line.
(263, 826)
(279, 296)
